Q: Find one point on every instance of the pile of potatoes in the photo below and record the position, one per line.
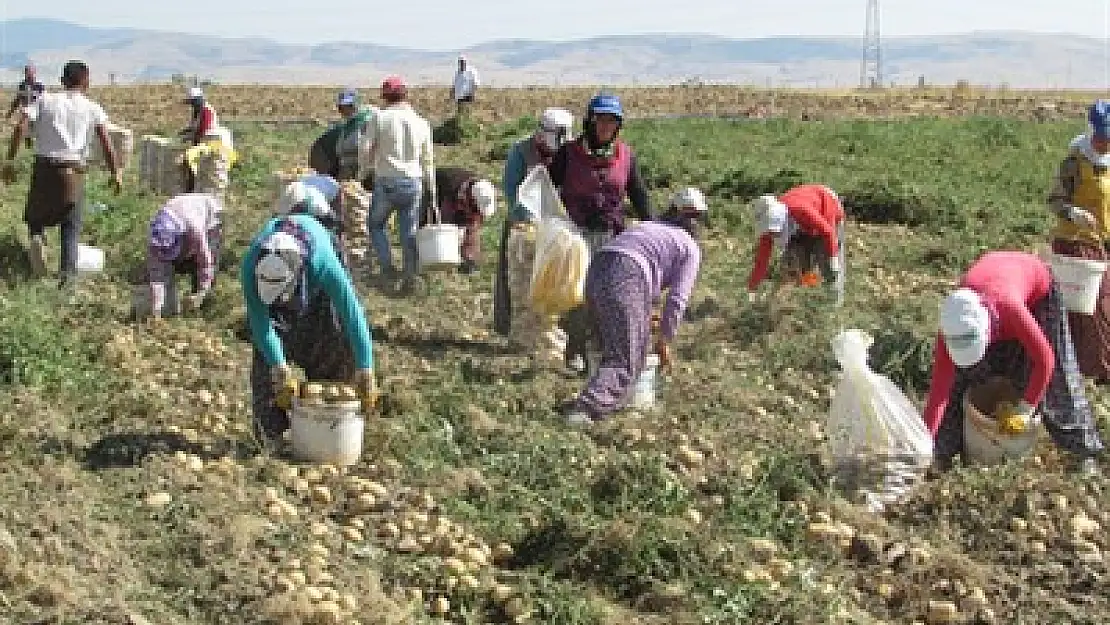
(320, 394)
(356, 210)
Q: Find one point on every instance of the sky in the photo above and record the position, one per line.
(451, 25)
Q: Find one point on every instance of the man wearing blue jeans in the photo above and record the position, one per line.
(404, 178)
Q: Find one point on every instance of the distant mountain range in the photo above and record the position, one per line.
(135, 55)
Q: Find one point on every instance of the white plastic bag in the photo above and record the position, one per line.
(537, 194)
(870, 417)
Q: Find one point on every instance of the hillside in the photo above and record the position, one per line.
(1020, 59)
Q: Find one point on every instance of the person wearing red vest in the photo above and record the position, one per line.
(808, 223)
(1007, 318)
(594, 173)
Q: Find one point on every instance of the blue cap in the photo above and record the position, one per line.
(347, 97)
(1099, 117)
(605, 103)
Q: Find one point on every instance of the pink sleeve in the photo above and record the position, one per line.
(762, 260)
(1037, 348)
(940, 388)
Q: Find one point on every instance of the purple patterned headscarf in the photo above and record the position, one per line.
(166, 236)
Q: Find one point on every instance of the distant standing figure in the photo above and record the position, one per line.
(466, 86)
(26, 95)
(67, 122)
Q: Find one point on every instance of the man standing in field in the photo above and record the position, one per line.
(466, 86)
(66, 122)
(404, 178)
(27, 93)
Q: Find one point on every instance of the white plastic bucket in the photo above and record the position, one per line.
(439, 246)
(327, 434)
(90, 259)
(643, 392)
(1080, 280)
(984, 444)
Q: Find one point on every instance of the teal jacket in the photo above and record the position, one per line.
(516, 168)
(323, 271)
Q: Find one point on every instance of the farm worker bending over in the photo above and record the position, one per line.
(185, 237)
(1081, 200)
(301, 304)
(594, 173)
(352, 147)
(465, 200)
(65, 123)
(203, 124)
(535, 151)
(808, 223)
(1007, 319)
(318, 196)
(404, 177)
(625, 277)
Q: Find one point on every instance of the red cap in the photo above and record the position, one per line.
(393, 84)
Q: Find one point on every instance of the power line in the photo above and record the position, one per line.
(871, 69)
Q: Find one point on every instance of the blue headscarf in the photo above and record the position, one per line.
(1098, 115)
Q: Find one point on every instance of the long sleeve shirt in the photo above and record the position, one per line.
(635, 188)
(323, 271)
(670, 259)
(401, 141)
(814, 210)
(198, 213)
(1010, 284)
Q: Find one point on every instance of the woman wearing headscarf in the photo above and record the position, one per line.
(352, 142)
(185, 238)
(594, 174)
(534, 151)
(466, 200)
(807, 222)
(1007, 319)
(1080, 199)
(302, 308)
(626, 276)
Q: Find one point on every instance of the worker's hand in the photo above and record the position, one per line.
(755, 297)
(1018, 421)
(1082, 217)
(8, 173)
(834, 264)
(285, 386)
(367, 388)
(117, 181)
(663, 350)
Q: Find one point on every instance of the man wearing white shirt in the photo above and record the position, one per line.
(64, 128)
(400, 142)
(466, 85)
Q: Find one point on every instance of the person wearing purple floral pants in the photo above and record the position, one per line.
(625, 277)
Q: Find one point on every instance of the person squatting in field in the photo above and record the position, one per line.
(517, 321)
(64, 126)
(626, 276)
(186, 236)
(594, 173)
(1007, 318)
(807, 222)
(301, 305)
(465, 200)
(1080, 199)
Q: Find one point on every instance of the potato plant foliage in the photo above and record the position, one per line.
(129, 484)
